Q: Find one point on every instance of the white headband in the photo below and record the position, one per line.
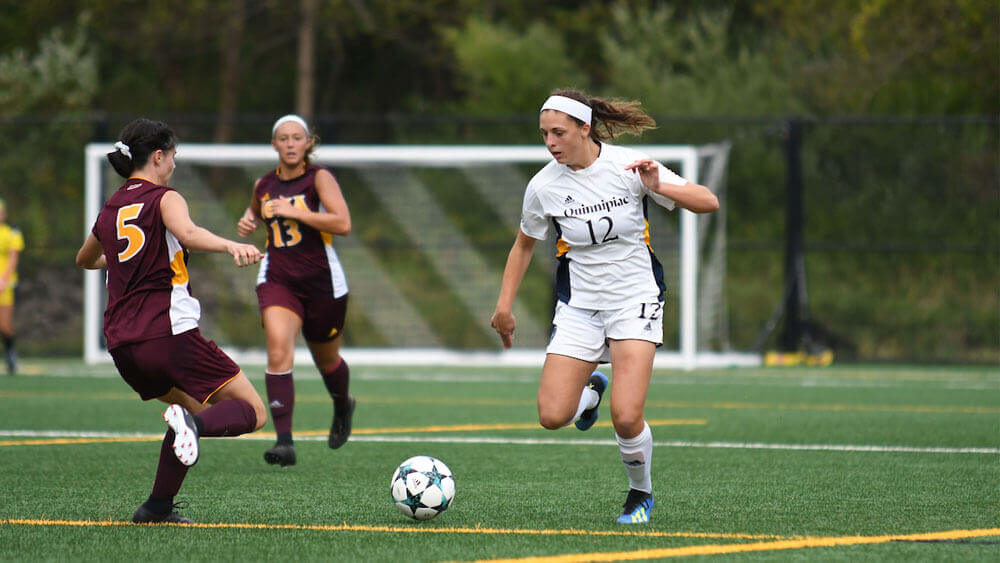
(569, 106)
(123, 148)
(285, 119)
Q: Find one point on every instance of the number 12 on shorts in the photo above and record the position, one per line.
(650, 311)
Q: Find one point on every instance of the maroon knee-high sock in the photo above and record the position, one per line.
(231, 417)
(225, 418)
(170, 474)
(281, 400)
(337, 381)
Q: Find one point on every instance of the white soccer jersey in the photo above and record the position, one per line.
(599, 214)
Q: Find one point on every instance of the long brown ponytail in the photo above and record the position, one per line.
(611, 116)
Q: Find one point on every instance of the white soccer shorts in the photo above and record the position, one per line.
(584, 333)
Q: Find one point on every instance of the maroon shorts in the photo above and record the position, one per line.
(322, 315)
(186, 361)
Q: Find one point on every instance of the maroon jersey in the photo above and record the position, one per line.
(148, 294)
(297, 254)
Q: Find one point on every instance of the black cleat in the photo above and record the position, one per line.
(144, 515)
(340, 430)
(280, 454)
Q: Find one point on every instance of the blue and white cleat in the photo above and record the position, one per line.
(598, 382)
(637, 508)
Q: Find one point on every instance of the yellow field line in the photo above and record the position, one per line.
(519, 426)
(60, 441)
(397, 529)
(801, 543)
(927, 409)
(986, 375)
(358, 431)
(726, 405)
(71, 396)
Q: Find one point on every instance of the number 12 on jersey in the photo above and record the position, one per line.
(607, 231)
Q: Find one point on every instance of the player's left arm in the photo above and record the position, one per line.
(177, 220)
(91, 254)
(336, 219)
(690, 196)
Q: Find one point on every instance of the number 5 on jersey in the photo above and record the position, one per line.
(132, 234)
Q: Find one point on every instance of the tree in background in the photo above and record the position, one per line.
(688, 66)
(47, 90)
(901, 57)
(402, 56)
(677, 65)
(45, 95)
(502, 70)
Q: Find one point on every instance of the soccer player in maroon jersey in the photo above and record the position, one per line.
(142, 236)
(301, 285)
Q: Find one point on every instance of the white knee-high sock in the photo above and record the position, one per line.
(637, 455)
(588, 400)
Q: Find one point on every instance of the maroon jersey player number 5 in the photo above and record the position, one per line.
(142, 236)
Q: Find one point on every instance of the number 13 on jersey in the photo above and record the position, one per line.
(284, 231)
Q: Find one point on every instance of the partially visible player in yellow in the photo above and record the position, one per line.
(11, 245)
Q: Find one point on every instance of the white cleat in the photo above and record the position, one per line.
(186, 434)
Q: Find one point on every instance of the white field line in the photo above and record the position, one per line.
(537, 442)
(754, 381)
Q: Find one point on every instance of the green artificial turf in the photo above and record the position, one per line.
(743, 457)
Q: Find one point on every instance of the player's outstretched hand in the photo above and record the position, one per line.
(244, 254)
(504, 324)
(648, 171)
(247, 224)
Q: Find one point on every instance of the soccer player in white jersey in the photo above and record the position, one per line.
(609, 283)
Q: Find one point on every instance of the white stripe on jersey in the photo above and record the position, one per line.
(337, 277)
(262, 271)
(185, 310)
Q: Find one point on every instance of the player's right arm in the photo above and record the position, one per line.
(687, 195)
(248, 223)
(91, 254)
(175, 214)
(513, 273)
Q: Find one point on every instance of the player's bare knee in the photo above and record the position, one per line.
(280, 359)
(551, 419)
(628, 422)
(551, 423)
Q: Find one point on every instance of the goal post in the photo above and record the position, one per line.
(413, 187)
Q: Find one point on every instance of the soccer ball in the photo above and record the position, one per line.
(422, 487)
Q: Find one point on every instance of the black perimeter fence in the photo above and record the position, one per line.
(876, 237)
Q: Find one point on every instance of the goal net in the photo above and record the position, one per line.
(431, 229)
